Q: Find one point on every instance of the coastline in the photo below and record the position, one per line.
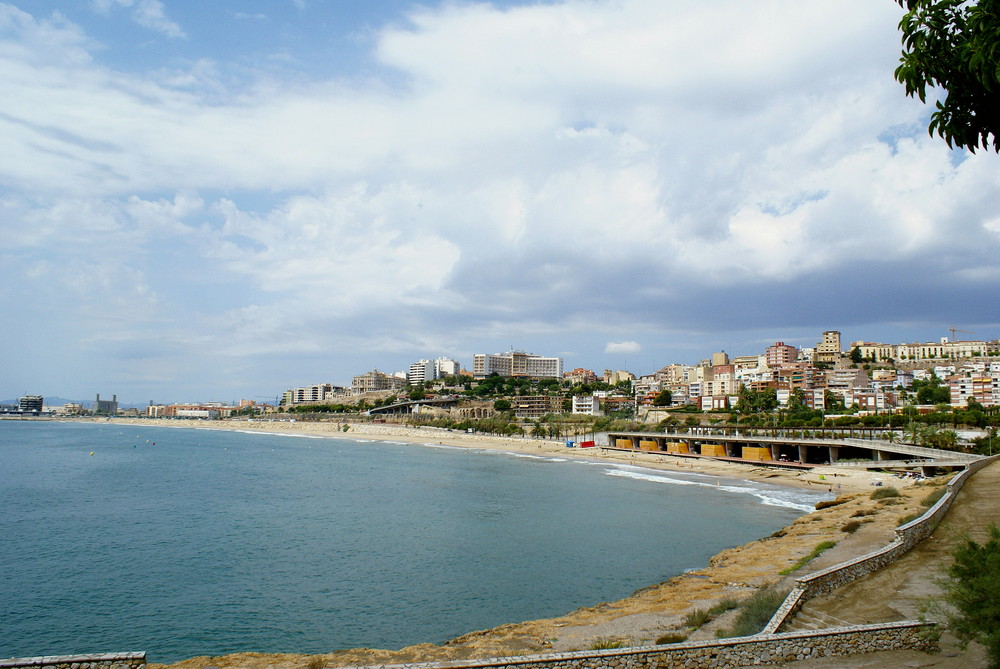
(841, 481)
(640, 618)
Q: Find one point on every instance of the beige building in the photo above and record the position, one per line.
(374, 381)
(829, 349)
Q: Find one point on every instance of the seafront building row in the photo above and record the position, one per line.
(871, 376)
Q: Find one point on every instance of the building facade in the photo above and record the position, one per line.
(517, 364)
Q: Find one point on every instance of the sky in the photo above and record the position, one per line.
(205, 200)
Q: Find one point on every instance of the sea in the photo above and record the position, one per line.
(184, 541)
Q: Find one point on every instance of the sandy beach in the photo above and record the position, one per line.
(841, 481)
(646, 615)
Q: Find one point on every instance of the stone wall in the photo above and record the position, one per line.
(907, 536)
(105, 661)
(740, 652)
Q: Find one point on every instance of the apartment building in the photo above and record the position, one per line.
(828, 350)
(535, 406)
(587, 404)
(516, 364)
(780, 354)
(374, 381)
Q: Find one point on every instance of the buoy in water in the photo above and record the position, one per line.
(91, 452)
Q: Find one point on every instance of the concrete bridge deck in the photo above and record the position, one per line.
(790, 449)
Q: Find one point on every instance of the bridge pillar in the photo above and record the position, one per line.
(803, 451)
(775, 452)
(881, 455)
(834, 453)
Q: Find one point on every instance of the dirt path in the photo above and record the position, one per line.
(899, 591)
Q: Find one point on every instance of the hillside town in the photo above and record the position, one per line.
(860, 379)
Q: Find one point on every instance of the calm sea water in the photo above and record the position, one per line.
(185, 542)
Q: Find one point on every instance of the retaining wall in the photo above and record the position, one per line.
(741, 652)
(102, 661)
(907, 536)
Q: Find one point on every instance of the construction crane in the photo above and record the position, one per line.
(954, 329)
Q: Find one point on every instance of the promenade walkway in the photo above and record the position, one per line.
(898, 591)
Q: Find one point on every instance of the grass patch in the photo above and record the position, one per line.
(672, 637)
(605, 644)
(851, 526)
(315, 663)
(903, 520)
(816, 552)
(754, 613)
(697, 618)
(831, 502)
(723, 605)
(861, 513)
(933, 496)
(884, 493)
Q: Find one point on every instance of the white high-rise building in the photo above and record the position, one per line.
(517, 363)
(427, 370)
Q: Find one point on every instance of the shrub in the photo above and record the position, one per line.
(672, 637)
(604, 644)
(933, 496)
(697, 618)
(903, 520)
(851, 526)
(884, 493)
(972, 591)
(832, 502)
(861, 513)
(755, 612)
(723, 605)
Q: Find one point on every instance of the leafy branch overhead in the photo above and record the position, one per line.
(955, 45)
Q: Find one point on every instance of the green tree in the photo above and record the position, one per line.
(418, 393)
(954, 45)
(502, 405)
(973, 589)
(664, 398)
(856, 355)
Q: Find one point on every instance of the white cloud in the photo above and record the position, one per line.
(622, 347)
(147, 13)
(508, 172)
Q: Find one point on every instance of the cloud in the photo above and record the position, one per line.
(622, 347)
(147, 13)
(495, 176)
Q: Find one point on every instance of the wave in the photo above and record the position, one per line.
(768, 495)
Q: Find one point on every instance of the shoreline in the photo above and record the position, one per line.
(836, 480)
(638, 619)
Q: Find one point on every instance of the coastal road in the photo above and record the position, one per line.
(900, 591)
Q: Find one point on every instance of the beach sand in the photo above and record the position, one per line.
(649, 613)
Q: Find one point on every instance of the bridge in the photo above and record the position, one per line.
(413, 406)
(791, 450)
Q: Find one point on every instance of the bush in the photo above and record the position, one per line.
(884, 493)
(832, 502)
(604, 644)
(861, 513)
(974, 592)
(723, 605)
(671, 637)
(851, 526)
(697, 618)
(933, 496)
(755, 612)
(903, 520)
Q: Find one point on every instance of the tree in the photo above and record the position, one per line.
(955, 45)
(664, 398)
(974, 592)
(856, 355)
(502, 405)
